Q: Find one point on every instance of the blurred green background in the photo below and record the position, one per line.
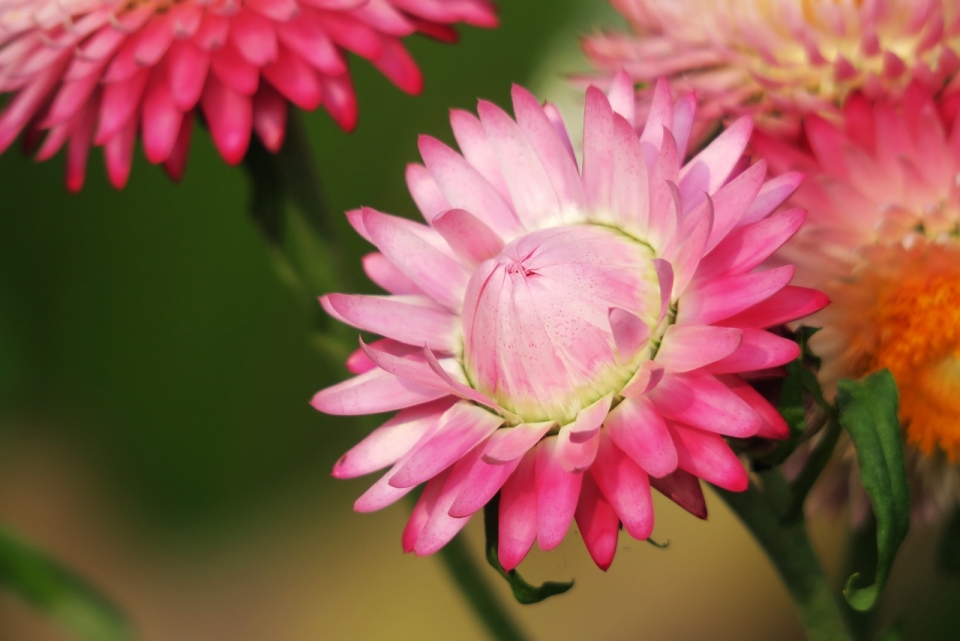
(155, 431)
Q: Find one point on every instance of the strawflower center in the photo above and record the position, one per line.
(917, 320)
(537, 320)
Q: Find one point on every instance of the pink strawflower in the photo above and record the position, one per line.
(98, 72)
(883, 239)
(778, 59)
(569, 338)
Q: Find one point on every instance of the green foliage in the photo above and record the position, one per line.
(868, 412)
(50, 587)
(523, 592)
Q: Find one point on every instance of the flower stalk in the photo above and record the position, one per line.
(788, 547)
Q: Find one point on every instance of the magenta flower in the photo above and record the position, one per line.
(568, 338)
(98, 72)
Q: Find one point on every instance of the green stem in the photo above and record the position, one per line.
(788, 548)
(485, 604)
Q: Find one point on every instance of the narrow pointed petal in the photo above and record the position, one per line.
(702, 401)
(425, 193)
(475, 146)
(598, 159)
(589, 420)
(707, 456)
(557, 493)
(440, 526)
(621, 97)
(398, 318)
(462, 428)
(421, 511)
(518, 513)
(630, 333)
(684, 348)
(648, 376)
(480, 486)
(731, 201)
(391, 441)
(371, 393)
(230, 117)
(723, 298)
(382, 272)
(469, 238)
(637, 428)
(758, 350)
(576, 456)
(683, 488)
(748, 246)
(788, 304)
(709, 170)
(772, 424)
(772, 194)
(625, 486)
(598, 523)
(510, 443)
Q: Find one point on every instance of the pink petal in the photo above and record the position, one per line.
(598, 522)
(235, 71)
(176, 162)
(707, 456)
(659, 117)
(556, 120)
(789, 304)
(706, 172)
(638, 429)
(732, 200)
(480, 486)
(620, 95)
(340, 101)
(371, 393)
(630, 197)
(270, 117)
(465, 188)
(118, 153)
(472, 139)
(510, 443)
(688, 347)
(589, 420)
(630, 333)
(395, 318)
(758, 350)
(425, 192)
(540, 132)
(466, 234)
(518, 513)
(422, 510)
(686, 256)
(79, 146)
(722, 298)
(625, 486)
(683, 488)
(279, 10)
(161, 119)
(305, 36)
(391, 441)
(435, 273)
(381, 271)
(254, 37)
(462, 428)
(440, 526)
(772, 194)
(598, 158)
(749, 245)
(772, 423)
(684, 111)
(187, 67)
(398, 66)
(557, 494)
(154, 40)
(230, 118)
(575, 457)
(646, 378)
(531, 192)
(702, 401)
(212, 33)
(295, 79)
(120, 100)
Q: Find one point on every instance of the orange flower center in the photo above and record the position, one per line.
(917, 337)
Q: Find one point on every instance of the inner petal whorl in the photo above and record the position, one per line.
(536, 327)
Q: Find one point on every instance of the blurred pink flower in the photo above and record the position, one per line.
(778, 59)
(883, 240)
(568, 338)
(97, 72)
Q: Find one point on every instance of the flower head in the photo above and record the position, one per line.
(569, 338)
(98, 72)
(883, 239)
(778, 59)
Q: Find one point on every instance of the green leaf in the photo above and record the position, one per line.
(868, 412)
(50, 587)
(949, 553)
(523, 592)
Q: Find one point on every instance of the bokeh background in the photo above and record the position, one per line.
(155, 431)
